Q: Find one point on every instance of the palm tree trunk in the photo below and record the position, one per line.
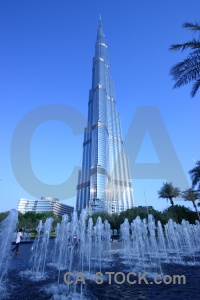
(193, 201)
(174, 211)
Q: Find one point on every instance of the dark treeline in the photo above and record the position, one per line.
(116, 220)
(30, 220)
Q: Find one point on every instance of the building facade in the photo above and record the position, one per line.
(104, 182)
(45, 204)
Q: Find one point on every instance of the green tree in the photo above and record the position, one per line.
(169, 192)
(3, 215)
(182, 212)
(189, 69)
(30, 220)
(104, 216)
(195, 175)
(190, 195)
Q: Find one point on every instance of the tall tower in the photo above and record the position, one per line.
(104, 182)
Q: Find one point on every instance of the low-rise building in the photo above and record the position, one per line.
(45, 204)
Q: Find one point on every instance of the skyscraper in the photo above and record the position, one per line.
(104, 182)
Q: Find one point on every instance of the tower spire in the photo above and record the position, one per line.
(100, 35)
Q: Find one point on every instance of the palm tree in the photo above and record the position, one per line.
(189, 69)
(167, 191)
(195, 175)
(191, 195)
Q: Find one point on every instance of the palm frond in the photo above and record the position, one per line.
(187, 71)
(190, 195)
(195, 174)
(167, 191)
(194, 44)
(195, 87)
(192, 26)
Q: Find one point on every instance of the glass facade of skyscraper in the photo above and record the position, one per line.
(104, 182)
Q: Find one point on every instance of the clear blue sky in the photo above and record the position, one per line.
(46, 56)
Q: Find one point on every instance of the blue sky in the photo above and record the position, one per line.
(46, 56)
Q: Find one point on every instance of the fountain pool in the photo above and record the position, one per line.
(46, 268)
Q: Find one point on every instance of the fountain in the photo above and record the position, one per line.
(7, 227)
(40, 249)
(68, 266)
